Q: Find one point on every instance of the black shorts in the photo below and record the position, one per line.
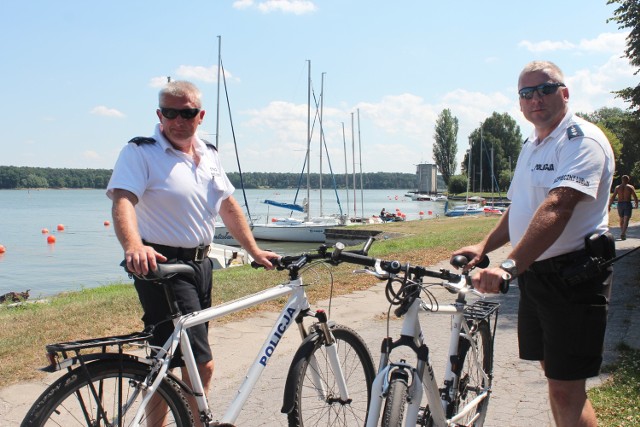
(563, 325)
(192, 295)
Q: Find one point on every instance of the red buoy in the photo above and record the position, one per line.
(45, 231)
(51, 239)
(60, 227)
(2, 249)
(107, 223)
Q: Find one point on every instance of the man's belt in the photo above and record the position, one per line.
(556, 264)
(196, 254)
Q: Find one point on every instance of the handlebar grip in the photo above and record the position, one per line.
(352, 258)
(504, 285)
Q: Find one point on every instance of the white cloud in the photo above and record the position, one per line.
(193, 73)
(91, 155)
(605, 42)
(296, 7)
(101, 110)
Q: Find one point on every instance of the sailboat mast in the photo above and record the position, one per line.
(346, 170)
(353, 157)
(360, 154)
(218, 96)
(321, 135)
(308, 137)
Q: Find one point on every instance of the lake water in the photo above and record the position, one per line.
(87, 253)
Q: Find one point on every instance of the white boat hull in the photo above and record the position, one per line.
(291, 233)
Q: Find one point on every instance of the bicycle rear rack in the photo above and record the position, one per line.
(480, 310)
(63, 348)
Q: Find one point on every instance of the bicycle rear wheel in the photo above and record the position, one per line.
(474, 371)
(317, 397)
(108, 396)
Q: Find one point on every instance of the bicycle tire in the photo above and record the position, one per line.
(471, 382)
(310, 409)
(69, 401)
(395, 402)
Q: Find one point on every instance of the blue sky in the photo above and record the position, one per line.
(81, 77)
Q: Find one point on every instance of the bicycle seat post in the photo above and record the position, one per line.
(171, 298)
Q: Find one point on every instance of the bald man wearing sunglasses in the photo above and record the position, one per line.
(167, 191)
(557, 219)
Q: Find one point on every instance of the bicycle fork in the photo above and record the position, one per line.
(324, 331)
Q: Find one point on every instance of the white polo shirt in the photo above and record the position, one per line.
(177, 200)
(577, 155)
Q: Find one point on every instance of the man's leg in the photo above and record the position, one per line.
(570, 405)
(206, 374)
(624, 223)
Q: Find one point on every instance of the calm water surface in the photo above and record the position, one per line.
(87, 253)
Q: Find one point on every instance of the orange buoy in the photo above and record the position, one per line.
(51, 239)
(2, 249)
(430, 213)
(45, 231)
(107, 223)
(274, 219)
(421, 213)
(60, 227)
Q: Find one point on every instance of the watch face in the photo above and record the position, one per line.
(508, 264)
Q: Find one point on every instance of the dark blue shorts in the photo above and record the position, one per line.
(563, 325)
(192, 295)
(624, 208)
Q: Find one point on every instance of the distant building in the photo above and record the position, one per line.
(427, 178)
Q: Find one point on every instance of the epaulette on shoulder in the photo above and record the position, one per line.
(574, 131)
(210, 145)
(142, 140)
(525, 141)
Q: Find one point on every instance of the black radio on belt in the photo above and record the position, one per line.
(599, 249)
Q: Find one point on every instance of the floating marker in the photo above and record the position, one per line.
(60, 227)
(107, 223)
(45, 231)
(51, 239)
(2, 249)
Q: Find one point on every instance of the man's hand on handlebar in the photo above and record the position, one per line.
(491, 281)
(264, 259)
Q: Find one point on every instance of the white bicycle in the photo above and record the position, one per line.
(329, 380)
(463, 396)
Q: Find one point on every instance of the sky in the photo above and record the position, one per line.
(81, 78)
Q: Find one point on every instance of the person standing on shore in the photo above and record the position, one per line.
(559, 195)
(167, 191)
(624, 192)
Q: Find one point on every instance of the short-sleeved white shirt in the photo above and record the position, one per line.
(577, 155)
(177, 200)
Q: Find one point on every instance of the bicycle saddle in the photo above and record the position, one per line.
(164, 271)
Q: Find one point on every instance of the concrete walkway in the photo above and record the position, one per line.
(519, 393)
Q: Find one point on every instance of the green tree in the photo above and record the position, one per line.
(457, 184)
(627, 15)
(445, 147)
(495, 147)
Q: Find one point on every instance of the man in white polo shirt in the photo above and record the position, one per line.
(559, 196)
(167, 191)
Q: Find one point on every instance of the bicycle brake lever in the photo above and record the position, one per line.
(383, 275)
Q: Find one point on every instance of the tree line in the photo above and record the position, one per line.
(16, 177)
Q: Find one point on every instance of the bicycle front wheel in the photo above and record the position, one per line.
(394, 405)
(317, 398)
(108, 395)
(474, 372)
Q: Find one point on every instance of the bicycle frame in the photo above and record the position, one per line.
(296, 304)
(423, 376)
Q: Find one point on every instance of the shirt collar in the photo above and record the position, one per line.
(554, 133)
(166, 145)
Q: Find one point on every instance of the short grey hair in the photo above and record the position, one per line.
(181, 88)
(547, 67)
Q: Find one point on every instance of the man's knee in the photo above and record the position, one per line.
(566, 393)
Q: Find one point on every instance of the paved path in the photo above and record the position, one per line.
(519, 395)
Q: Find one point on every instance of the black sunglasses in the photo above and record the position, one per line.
(543, 89)
(172, 113)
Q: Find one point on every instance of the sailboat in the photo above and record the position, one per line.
(467, 208)
(292, 229)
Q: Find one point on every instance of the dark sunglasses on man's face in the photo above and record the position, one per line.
(172, 113)
(543, 89)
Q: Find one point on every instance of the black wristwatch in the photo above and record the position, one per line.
(509, 266)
